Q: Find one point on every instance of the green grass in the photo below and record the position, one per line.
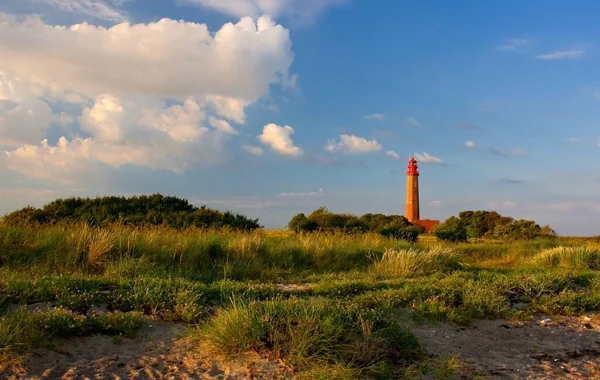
(21, 330)
(311, 332)
(350, 289)
(581, 257)
(413, 262)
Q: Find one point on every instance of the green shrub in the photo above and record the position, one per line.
(138, 210)
(453, 229)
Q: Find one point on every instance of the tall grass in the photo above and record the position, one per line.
(414, 262)
(192, 253)
(581, 257)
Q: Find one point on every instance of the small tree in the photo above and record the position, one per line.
(453, 229)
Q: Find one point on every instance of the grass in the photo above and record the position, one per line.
(413, 262)
(336, 323)
(312, 332)
(21, 330)
(581, 257)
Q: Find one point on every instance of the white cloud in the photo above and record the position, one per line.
(181, 123)
(301, 195)
(504, 205)
(228, 107)
(435, 203)
(142, 59)
(96, 8)
(302, 10)
(513, 44)
(253, 150)
(279, 139)
(391, 153)
(565, 54)
(353, 145)
(376, 116)
(414, 122)
(428, 159)
(222, 125)
(143, 98)
(24, 118)
(103, 120)
(470, 144)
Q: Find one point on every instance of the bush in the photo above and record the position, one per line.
(391, 226)
(410, 233)
(453, 229)
(408, 262)
(138, 210)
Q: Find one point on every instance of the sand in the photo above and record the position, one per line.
(557, 348)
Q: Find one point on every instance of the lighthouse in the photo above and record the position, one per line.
(412, 191)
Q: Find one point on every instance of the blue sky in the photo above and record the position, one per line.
(274, 107)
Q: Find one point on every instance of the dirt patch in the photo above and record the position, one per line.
(159, 351)
(544, 348)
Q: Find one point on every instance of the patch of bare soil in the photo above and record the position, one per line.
(544, 348)
(159, 351)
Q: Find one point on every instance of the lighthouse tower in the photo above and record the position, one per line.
(412, 191)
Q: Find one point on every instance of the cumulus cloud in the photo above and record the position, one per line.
(374, 116)
(302, 10)
(391, 153)
(144, 100)
(234, 67)
(513, 44)
(280, 140)
(350, 144)
(470, 144)
(428, 159)
(253, 150)
(104, 10)
(564, 54)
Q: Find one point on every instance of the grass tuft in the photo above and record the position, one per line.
(581, 257)
(413, 262)
(310, 333)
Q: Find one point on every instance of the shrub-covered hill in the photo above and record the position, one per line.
(153, 209)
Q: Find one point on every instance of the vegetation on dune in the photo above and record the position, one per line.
(138, 210)
(20, 330)
(323, 220)
(413, 262)
(312, 332)
(569, 257)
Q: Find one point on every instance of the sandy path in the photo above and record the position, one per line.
(566, 348)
